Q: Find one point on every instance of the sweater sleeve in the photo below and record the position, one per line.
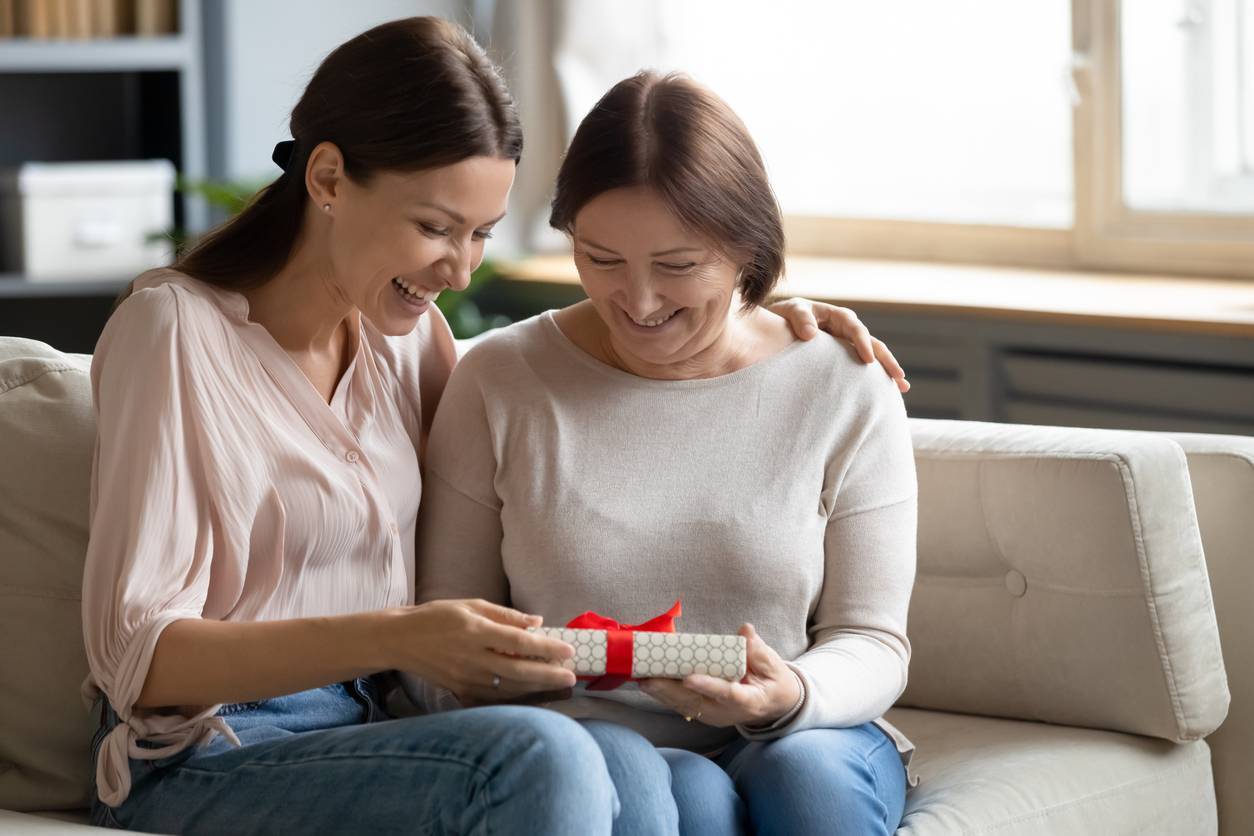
(857, 663)
(459, 521)
(151, 540)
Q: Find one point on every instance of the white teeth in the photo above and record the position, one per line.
(653, 323)
(413, 292)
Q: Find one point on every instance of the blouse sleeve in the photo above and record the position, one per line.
(151, 537)
(857, 663)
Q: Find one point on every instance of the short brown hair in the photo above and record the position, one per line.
(671, 134)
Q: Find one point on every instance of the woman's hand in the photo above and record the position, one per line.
(480, 651)
(768, 692)
(806, 318)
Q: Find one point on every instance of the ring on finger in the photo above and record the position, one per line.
(496, 681)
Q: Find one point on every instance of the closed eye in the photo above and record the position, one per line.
(603, 262)
(433, 231)
(678, 268)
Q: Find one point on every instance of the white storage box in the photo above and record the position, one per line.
(86, 220)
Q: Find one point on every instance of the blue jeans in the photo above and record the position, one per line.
(329, 760)
(821, 781)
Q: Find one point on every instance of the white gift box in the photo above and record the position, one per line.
(656, 654)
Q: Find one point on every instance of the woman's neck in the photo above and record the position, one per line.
(311, 319)
(743, 339)
(302, 308)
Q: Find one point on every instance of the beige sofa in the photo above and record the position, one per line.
(1066, 677)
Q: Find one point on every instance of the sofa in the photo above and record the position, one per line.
(1074, 590)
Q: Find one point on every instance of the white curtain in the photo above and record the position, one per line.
(559, 61)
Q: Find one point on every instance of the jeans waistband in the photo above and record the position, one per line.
(364, 690)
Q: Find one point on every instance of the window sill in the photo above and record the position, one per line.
(1214, 307)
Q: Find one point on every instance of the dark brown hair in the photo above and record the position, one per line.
(407, 95)
(678, 138)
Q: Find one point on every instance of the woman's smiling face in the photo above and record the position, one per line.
(664, 292)
(404, 237)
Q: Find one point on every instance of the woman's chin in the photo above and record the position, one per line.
(392, 323)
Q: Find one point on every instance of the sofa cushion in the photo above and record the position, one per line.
(1221, 468)
(47, 824)
(47, 434)
(987, 775)
(1061, 578)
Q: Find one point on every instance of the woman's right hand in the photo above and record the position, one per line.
(462, 645)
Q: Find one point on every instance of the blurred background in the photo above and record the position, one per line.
(1045, 207)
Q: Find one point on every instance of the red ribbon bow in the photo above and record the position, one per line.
(620, 643)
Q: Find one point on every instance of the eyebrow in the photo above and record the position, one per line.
(455, 216)
(651, 255)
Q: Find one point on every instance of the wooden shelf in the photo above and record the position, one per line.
(121, 54)
(15, 286)
(1215, 307)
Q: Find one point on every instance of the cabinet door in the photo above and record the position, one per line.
(1117, 392)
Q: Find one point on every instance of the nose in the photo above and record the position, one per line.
(640, 298)
(457, 268)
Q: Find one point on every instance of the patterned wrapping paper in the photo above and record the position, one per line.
(666, 655)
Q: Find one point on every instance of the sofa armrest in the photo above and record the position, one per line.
(1221, 468)
(1061, 578)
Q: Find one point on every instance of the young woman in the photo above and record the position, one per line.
(263, 406)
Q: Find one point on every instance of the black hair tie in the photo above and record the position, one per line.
(282, 155)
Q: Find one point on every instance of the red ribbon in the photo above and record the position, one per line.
(620, 643)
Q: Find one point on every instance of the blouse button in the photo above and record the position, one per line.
(1016, 583)
(352, 456)
(392, 527)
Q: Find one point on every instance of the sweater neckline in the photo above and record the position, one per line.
(558, 338)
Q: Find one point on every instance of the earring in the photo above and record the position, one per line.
(326, 207)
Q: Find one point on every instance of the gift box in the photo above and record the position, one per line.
(609, 653)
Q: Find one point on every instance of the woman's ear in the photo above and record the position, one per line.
(324, 173)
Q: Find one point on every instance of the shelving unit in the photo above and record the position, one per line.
(122, 54)
(107, 99)
(14, 286)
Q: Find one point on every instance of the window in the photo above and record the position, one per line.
(1188, 106)
(889, 109)
(1059, 133)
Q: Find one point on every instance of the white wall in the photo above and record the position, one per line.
(259, 54)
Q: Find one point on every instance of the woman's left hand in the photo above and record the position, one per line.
(769, 690)
(806, 317)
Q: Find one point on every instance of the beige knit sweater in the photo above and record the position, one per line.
(782, 494)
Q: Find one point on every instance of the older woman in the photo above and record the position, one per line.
(648, 444)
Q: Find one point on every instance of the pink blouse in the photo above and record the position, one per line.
(225, 487)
